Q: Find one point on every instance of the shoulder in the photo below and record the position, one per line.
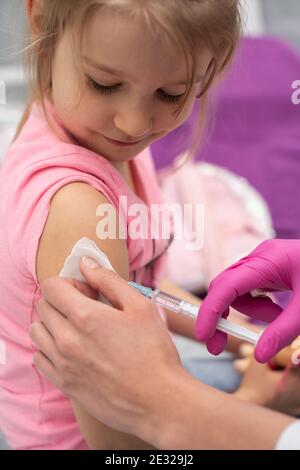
(73, 215)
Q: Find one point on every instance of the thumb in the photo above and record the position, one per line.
(92, 271)
(109, 283)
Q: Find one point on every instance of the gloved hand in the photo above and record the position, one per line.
(274, 265)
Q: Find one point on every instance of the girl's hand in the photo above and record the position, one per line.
(259, 383)
(287, 400)
(279, 391)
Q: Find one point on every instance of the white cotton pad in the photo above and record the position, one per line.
(84, 247)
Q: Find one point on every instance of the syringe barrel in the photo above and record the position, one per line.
(175, 304)
(167, 301)
(189, 309)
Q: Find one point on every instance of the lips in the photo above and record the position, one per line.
(117, 142)
(126, 143)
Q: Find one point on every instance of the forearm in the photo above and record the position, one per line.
(101, 437)
(180, 324)
(190, 415)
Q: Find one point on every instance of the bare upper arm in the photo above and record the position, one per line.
(72, 215)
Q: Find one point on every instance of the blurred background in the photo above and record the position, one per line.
(272, 18)
(263, 17)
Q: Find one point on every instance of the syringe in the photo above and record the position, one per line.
(186, 308)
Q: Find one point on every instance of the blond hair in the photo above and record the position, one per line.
(189, 24)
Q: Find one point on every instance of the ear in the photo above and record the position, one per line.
(34, 11)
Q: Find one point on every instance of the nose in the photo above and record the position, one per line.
(134, 123)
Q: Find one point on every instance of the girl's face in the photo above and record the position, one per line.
(134, 83)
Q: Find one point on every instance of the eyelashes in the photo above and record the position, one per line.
(105, 90)
(109, 90)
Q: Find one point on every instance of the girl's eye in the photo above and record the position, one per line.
(108, 90)
(170, 98)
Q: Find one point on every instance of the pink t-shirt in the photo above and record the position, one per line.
(33, 413)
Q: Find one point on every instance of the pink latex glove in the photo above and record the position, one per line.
(273, 265)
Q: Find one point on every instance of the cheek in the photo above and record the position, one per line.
(65, 94)
(78, 107)
(92, 118)
(93, 113)
(174, 122)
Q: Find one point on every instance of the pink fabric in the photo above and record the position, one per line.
(235, 220)
(33, 413)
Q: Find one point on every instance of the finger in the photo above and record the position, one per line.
(44, 365)
(60, 327)
(246, 350)
(242, 365)
(246, 276)
(63, 294)
(217, 343)
(259, 308)
(83, 318)
(44, 341)
(212, 309)
(114, 288)
(238, 280)
(53, 320)
(280, 333)
(67, 301)
(84, 288)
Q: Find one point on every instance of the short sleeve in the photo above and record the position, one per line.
(32, 204)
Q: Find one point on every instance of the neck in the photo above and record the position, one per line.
(124, 168)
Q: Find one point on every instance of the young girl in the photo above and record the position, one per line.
(109, 78)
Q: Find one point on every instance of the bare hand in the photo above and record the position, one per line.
(114, 360)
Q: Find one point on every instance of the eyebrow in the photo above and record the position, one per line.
(118, 73)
